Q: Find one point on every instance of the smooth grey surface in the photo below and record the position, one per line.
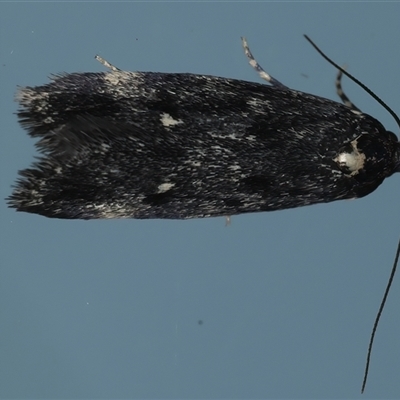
(286, 300)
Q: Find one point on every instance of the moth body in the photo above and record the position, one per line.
(162, 145)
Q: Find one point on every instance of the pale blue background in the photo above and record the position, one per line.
(110, 309)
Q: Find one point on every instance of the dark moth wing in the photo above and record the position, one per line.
(154, 145)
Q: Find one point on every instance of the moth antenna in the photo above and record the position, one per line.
(378, 316)
(369, 91)
(339, 91)
(263, 74)
(108, 65)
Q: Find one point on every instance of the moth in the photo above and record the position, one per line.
(177, 145)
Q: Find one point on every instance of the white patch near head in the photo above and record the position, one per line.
(353, 161)
(168, 121)
(164, 187)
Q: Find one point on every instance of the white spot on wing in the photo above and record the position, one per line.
(168, 121)
(164, 187)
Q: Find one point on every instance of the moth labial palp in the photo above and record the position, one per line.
(108, 65)
(345, 100)
(262, 73)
